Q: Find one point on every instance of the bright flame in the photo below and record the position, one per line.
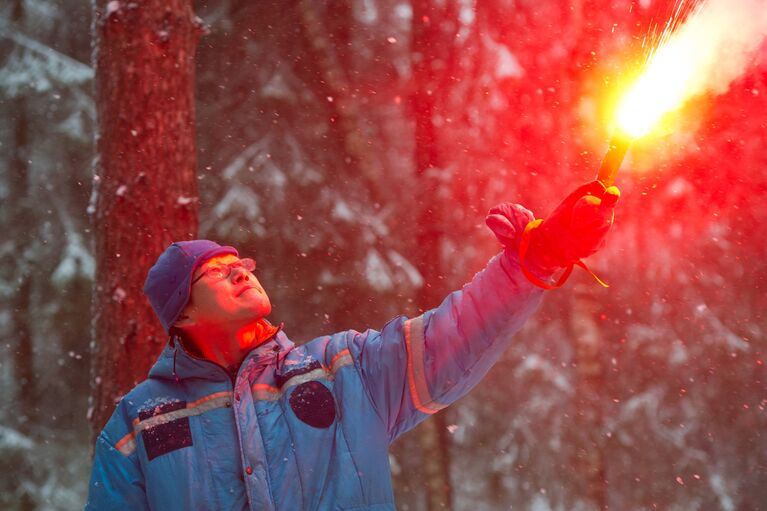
(706, 54)
(661, 89)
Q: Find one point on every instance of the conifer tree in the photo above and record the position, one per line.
(144, 180)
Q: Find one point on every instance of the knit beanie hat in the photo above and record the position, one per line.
(169, 281)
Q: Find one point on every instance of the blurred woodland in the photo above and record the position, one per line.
(353, 149)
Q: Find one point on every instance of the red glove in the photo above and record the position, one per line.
(576, 229)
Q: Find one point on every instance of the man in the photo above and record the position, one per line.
(234, 416)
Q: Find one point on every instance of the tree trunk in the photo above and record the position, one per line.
(428, 65)
(328, 51)
(19, 199)
(589, 346)
(145, 193)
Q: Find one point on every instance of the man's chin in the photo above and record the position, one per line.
(256, 313)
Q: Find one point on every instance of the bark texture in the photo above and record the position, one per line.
(20, 203)
(145, 193)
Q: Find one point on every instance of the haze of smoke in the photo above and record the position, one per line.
(721, 37)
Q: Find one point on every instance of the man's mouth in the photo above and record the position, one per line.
(239, 293)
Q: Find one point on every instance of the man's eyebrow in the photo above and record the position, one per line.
(207, 264)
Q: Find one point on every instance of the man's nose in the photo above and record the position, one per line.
(239, 274)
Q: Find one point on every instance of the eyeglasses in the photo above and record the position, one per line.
(222, 271)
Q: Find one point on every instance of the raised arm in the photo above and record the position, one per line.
(415, 367)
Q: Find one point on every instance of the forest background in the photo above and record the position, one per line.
(316, 156)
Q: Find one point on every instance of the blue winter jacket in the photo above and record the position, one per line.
(302, 427)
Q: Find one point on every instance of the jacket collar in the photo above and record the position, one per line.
(176, 363)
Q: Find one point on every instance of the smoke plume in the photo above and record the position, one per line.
(721, 38)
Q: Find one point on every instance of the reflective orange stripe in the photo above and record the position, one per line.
(264, 387)
(339, 355)
(264, 392)
(416, 377)
(127, 444)
(202, 405)
(208, 398)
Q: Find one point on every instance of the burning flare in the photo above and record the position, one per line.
(662, 88)
(705, 54)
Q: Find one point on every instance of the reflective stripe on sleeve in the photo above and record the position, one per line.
(342, 358)
(127, 444)
(416, 372)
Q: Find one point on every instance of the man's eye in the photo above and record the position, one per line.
(215, 272)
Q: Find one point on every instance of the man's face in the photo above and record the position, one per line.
(233, 301)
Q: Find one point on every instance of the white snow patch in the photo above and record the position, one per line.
(156, 402)
(342, 211)
(404, 11)
(376, 271)
(467, 13)
(12, 439)
(366, 11)
(506, 65)
(257, 160)
(396, 469)
(35, 66)
(119, 294)
(82, 114)
(240, 200)
(549, 371)
(112, 7)
(540, 503)
(277, 88)
(722, 332)
(719, 486)
(327, 278)
(411, 272)
(678, 354)
(678, 187)
(77, 260)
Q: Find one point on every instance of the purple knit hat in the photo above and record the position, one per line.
(169, 281)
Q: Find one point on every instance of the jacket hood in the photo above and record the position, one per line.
(176, 363)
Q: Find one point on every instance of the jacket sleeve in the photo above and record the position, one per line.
(415, 367)
(116, 480)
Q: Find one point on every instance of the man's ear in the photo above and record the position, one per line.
(183, 320)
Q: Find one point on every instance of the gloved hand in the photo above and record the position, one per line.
(574, 230)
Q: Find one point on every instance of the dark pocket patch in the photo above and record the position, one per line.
(313, 403)
(167, 437)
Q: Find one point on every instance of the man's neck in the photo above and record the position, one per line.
(228, 348)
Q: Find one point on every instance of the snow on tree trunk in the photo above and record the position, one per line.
(145, 193)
